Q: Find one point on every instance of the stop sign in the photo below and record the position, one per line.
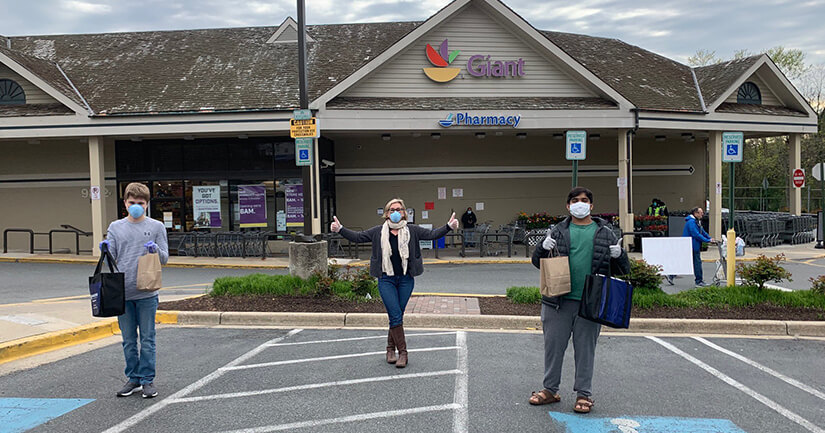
(799, 178)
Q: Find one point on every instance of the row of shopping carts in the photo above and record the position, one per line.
(766, 229)
(221, 244)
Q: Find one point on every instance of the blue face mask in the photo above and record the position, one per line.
(395, 217)
(136, 211)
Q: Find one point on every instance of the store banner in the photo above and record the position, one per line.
(206, 206)
(252, 205)
(294, 205)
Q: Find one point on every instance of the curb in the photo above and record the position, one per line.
(487, 322)
(28, 346)
(35, 345)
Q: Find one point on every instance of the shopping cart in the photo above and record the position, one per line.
(720, 276)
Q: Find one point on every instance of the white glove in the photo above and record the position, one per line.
(616, 250)
(453, 223)
(336, 225)
(549, 243)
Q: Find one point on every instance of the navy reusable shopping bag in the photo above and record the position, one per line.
(108, 290)
(606, 300)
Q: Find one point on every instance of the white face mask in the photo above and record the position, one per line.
(580, 210)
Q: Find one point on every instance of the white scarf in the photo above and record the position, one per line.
(403, 246)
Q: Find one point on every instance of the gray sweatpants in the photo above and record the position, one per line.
(557, 325)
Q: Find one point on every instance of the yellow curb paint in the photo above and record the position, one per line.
(29, 346)
(167, 317)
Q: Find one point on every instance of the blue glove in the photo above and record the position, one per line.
(104, 246)
(151, 246)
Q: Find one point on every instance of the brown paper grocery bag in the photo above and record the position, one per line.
(148, 274)
(555, 276)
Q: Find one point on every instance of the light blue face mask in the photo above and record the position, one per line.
(136, 211)
(395, 217)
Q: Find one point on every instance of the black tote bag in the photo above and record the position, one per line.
(108, 290)
(606, 300)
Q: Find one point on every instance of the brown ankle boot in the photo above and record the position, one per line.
(401, 344)
(391, 358)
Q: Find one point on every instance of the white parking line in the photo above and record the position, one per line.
(373, 337)
(316, 385)
(345, 419)
(138, 417)
(327, 358)
(774, 373)
(460, 397)
(730, 381)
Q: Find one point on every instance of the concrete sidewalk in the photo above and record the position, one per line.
(450, 256)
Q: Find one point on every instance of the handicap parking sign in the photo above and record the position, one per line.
(575, 148)
(303, 151)
(576, 145)
(732, 146)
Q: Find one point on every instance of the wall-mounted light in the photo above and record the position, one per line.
(136, 139)
(521, 135)
(595, 137)
(243, 136)
(416, 134)
(435, 135)
(688, 136)
(188, 137)
(38, 141)
(386, 137)
(558, 136)
(499, 133)
(481, 135)
(660, 138)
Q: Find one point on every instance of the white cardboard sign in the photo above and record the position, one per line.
(674, 255)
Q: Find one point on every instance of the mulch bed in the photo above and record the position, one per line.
(495, 306)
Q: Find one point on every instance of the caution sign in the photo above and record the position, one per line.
(303, 128)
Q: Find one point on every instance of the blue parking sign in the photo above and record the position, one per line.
(732, 146)
(303, 151)
(576, 148)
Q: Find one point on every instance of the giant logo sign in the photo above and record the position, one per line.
(478, 65)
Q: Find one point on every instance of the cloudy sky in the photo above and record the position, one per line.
(674, 28)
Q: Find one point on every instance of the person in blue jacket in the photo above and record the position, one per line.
(693, 229)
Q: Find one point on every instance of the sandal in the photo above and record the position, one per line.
(583, 404)
(543, 397)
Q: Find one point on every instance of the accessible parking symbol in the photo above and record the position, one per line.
(643, 424)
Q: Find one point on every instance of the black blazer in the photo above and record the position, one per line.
(415, 265)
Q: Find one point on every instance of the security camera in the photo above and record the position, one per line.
(327, 163)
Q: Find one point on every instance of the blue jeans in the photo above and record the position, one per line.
(395, 292)
(697, 266)
(139, 315)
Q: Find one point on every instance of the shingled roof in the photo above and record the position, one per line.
(215, 69)
(45, 70)
(714, 80)
(646, 79)
(227, 70)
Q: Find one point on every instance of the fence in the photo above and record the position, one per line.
(773, 199)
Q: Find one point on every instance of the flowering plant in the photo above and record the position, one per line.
(540, 220)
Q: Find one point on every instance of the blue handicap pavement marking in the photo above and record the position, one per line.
(21, 414)
(643, 424)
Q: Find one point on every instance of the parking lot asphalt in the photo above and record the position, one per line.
(260, 380)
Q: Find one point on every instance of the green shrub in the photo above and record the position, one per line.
(762, 270)
(818, 284)
(643, 275)
(347, 284)
(524, 295)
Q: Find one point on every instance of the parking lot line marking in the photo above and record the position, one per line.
(373, 337)
(345, 419)
(149, 411)
(768, 370)
(732, 382)
(327, 358)
(316, 386)
(461, 398)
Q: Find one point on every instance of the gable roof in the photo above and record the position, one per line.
(214, 69)
(715, 80)
(648, 80)
(53, 80)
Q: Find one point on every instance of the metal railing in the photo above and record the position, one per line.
(6, 239)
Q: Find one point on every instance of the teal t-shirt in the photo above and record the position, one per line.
(581, 257)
